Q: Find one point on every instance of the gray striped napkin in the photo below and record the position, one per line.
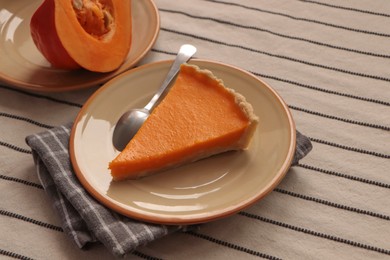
(83, 218)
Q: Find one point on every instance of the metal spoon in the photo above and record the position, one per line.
(129, 123)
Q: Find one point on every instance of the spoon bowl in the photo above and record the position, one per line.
(131, 121)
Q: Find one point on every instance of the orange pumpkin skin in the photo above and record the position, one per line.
(95, 35)
(44, 35)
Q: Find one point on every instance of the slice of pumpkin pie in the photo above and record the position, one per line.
(198, 118)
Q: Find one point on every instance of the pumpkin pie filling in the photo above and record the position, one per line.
(198, 118)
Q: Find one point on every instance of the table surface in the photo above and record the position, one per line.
(330, 62)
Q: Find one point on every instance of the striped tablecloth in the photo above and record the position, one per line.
(329, 60)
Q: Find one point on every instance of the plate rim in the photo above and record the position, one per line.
(17, 83)
(195, 218)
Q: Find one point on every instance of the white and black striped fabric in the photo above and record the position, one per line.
(329, 60)
(84, 219)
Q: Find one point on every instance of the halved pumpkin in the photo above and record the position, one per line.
(92, 34)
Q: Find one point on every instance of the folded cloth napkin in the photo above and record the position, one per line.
(83, 218)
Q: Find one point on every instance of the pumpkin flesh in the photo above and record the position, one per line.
(95, 34)
(44, 35)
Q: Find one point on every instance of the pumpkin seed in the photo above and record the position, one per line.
(107, 18)
(78, 4)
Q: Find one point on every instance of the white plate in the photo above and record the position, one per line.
(198, 192)
(22, 65)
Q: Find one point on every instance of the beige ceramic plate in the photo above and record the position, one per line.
(198, 192)
(22, 65)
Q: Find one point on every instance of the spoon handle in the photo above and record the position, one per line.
(185, 53)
